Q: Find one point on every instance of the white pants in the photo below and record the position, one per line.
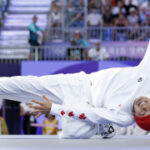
(61, 89)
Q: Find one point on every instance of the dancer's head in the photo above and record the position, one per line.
(141, 112)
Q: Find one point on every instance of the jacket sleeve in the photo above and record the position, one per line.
(23, 88)
(92, 114)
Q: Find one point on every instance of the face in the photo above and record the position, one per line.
(35, 20)
(141, 106)
(77, 36)
(97, 44)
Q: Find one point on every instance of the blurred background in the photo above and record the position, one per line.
(67, 36)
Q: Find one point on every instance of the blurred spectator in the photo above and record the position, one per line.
(130, 5)
(27, 119)
(50, 125)
(91, 4)
(36, 35)
(121, 33)
(94, 18)
(133, 18)
(71, 10)
(142, 15)
(147, 7)
(3, 126)
(121, 21)
(107, 17)
(94, 22)
(55, 18)
(119, 7)
(54, 5)
(147, 21)
(146, 31)
(81, 4)
(107, 22)
(107, 3)
(74, 52)
(142, 2)
(98, 53)
(94, 4)
(81, 42)
(75, 13)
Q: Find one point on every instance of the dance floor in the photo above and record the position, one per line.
(53, 143)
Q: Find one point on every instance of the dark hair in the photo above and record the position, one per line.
(35, 16)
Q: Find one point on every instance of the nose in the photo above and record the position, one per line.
(143, 110)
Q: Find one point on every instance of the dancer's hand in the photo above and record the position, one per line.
(42, 108)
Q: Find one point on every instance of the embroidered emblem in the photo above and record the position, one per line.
(70, 114)
(62, 112)
(82, 116)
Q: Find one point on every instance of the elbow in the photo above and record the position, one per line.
(125, 121)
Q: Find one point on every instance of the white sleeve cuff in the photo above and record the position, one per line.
(55, 109)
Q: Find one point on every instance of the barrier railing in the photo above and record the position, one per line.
(115, 50)
(103, 33)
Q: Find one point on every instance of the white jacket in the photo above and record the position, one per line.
(113, 92)
(102, 97)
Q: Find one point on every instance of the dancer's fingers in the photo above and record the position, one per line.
(35, 107)
(45, 98)
(37, 102)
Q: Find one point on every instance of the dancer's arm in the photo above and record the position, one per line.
(22, 88)
(95, 115)
(83, 112)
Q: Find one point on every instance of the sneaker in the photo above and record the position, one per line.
(107, 131)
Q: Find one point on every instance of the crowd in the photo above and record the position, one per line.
(120, 19)
(126, 19)
(107, 12)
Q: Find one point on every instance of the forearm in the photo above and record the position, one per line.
(80, 112)
(90, 114)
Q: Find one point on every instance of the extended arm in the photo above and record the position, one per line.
(92, 114)
(25, 88)
(83, 112)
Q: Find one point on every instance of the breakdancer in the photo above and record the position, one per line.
(88, 102)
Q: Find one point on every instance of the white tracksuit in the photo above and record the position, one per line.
(85, 100)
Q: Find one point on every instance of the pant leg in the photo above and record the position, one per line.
(75, 129)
